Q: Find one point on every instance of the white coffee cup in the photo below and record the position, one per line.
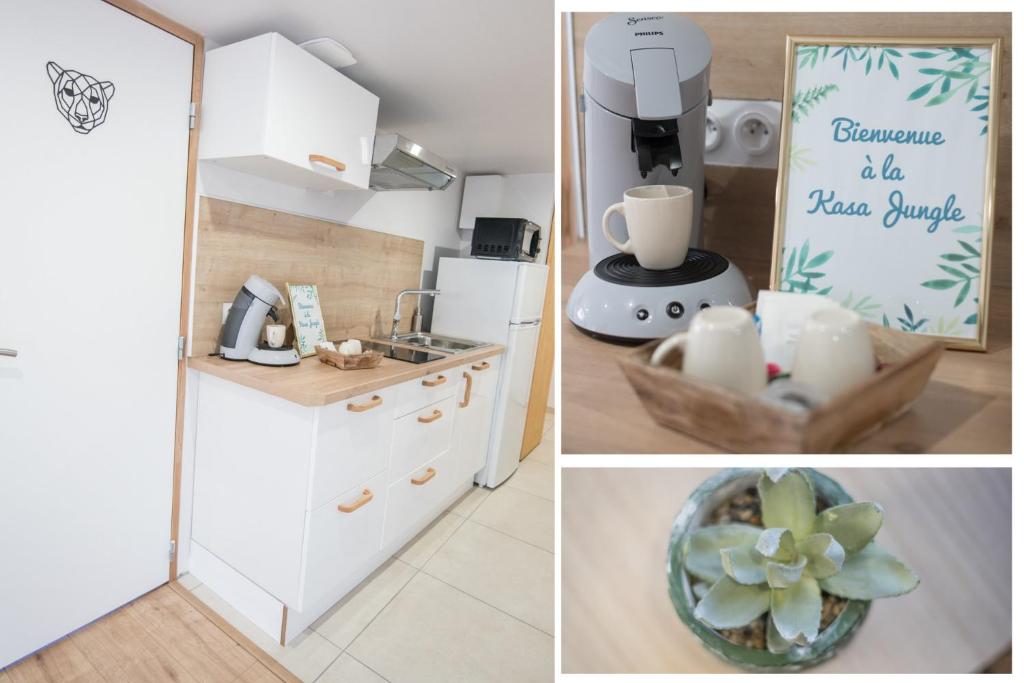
(721, 347)
(659, 219)
(834, 351)
(275, 335)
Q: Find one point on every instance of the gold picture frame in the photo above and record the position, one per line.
(793, 45)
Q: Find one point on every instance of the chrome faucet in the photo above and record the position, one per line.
(398, 306)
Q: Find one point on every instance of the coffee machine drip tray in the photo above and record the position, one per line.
(623, 269)
(619, 301)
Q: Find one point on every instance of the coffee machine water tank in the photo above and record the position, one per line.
(645, 83)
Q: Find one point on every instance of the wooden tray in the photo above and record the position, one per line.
(364, 361)
(737, 423)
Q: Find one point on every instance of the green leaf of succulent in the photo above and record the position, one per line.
(796, 610)
(701, 588)
(702, 551)
(776, 473)
(824, 555)
(741, 564)
(777, 645)
(730, 604)
(777, 544)
(787, 503)
(783, 575)
(872, 573)
(853, 525)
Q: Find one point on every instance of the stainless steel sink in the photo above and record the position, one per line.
(434, 342)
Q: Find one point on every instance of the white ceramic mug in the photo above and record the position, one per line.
(275, 335)
(834, 351)
(720, 347)
(659, 219)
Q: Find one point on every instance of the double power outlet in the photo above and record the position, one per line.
(743, 133)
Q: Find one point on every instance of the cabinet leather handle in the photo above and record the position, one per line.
(441, 379)
(363, 407)
(469, 389)
(363, 500)
(482, 366)
(326, 161)
(431, 473)
(436, 415)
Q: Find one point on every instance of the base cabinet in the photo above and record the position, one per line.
(294, 506)
(473, 415)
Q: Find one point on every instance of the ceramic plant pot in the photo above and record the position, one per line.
(708, 496)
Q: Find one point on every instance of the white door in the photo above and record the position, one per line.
(531, 282)
(511, 404)
(92, 181)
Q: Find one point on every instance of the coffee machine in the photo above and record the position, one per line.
(240, 335)
(645, 96)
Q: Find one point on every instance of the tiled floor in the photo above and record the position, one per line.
(469, 599)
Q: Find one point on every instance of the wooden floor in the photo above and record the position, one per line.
(165, 635)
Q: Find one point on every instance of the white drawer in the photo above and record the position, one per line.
(485, 375)
(421, 392)
(410, 504)
(421, 436)
(352, 444)
(340, 540)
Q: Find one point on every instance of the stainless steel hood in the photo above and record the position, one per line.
(401, 164)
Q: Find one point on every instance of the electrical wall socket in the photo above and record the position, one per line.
(743, 133)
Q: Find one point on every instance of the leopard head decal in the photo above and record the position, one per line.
(81, 99)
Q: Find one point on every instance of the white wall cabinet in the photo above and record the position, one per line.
(271, 109)
(294, 506)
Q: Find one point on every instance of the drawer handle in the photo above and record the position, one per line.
(431, 473)
(441, 379)
(482, 366)
(469, 389)
(363, 407)
(326, 161)
(363, 500)
(436, 415)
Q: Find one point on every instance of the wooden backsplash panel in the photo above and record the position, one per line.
(357, 272)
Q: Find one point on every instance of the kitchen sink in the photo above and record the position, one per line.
(434, 342)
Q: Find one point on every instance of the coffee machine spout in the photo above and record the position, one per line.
(656, 143)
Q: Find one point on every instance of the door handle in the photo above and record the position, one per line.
(441, 379)
(363, 407)
(436, 415)
(482, 366)
(326, 161)
(469, 389)
(431, 472)
(363, 500)
(13, 353)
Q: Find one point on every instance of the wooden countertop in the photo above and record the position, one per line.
(964, 409)
(311, 383)
(952, 526)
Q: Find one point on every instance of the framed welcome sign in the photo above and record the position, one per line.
(307, 318)
(887, 177)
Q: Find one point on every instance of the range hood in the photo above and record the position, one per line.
(401, 164)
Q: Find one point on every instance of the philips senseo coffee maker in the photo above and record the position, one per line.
(645, 83)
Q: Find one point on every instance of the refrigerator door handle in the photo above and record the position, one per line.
(532, 323)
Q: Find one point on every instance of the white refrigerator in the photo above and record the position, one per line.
(500, 302)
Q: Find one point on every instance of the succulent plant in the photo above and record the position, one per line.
(783, 568)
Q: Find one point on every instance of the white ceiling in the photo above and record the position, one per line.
(471, 80)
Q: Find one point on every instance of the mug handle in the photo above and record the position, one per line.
(624, 247)
(677, 339)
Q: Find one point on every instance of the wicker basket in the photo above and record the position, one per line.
(737, 423)
(362, 361)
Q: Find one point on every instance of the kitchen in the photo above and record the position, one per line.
(393, 522)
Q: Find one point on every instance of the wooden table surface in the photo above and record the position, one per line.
(312, 383)
(952, 526)
(964, 409)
